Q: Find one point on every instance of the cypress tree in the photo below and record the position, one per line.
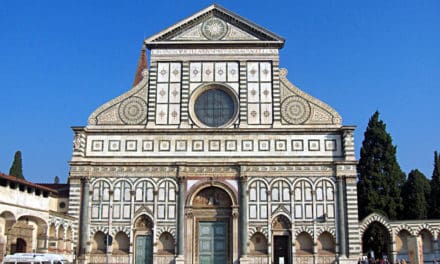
(416, 194)
(380, 178)
(435, 189)
(17, 167)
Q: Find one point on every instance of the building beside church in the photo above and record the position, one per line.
(214, 156)
(33, 218)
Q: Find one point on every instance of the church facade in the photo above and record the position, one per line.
(214, 156)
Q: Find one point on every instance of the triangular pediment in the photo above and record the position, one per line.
(215, 25)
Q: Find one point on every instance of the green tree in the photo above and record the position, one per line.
(416, 194)
(435, 188)
(17, 167)
(380, 178)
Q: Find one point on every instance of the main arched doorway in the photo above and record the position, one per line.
(281, 227)
(143, 240)
(376, 241)
(212, 225)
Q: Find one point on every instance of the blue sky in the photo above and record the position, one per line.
(60, 60)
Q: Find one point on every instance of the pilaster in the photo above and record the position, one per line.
(243, 219)
(181, 220)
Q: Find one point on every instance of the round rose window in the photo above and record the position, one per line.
(214, 107)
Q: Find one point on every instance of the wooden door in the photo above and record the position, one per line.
(144, 249)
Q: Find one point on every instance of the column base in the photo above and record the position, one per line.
(180, 259)
(244, 260)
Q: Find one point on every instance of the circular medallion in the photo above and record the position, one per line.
(214, 29)
(133, 110)
(295, 110)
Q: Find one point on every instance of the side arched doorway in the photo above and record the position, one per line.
(143, 240)
(211, 226)
(376, 241)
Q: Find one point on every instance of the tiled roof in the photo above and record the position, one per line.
(27, 183)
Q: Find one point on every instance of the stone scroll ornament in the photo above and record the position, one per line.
(133, 110)
(295, 110)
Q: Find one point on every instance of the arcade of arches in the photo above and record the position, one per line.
(29, 233)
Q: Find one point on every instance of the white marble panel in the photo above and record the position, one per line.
(174, 113)
(116, 211)
(163, 70)
(95, 212)
(95, 196)
(190, 183)
(106, 194)
(298, 194)
(298, 211)
(193, 86)
(139, 194)
(220, 72)
(174, 93)
(171, 211)
(253, 114)
(319, 195)
(263, 194)
(161, 113)
(171, 195)
(252, 72)
(195, 72)
(253, 92)
(161, 211)
(126, 211)
(253, 211)
(263, 211)
(233, 73)
(162, 93)
(105, 211)
(234, 86)
(309, 211)
(266, 114)
(265, 71)
(266, 92)
(275, 195)
(208, 72)
(117, 194)
(330, 211)
(175, 72)
(330, 196)
(150, 194)
(308, 192)
(319, 210)
(253, 194)
(233, 183)
(286, 194)
(161, 194)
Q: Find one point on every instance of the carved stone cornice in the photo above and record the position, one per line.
(208, 171)
(114, 170)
